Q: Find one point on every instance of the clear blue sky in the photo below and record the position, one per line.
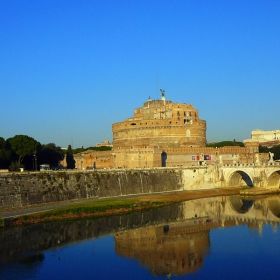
(69, 69)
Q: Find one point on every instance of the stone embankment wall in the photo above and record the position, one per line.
(25, 189)
(202, 177)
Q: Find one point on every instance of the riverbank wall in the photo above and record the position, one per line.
(18, 190)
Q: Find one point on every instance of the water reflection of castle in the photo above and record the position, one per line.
(171, 240)
(180, 247)
(165, 250)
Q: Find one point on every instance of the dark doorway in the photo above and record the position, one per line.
(163, 159)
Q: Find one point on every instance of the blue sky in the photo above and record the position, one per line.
(69, 69)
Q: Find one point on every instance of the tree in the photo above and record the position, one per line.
(2, 143)
(3, 160)
(50, 154)
(70, 158)
(23, 146)
(100, 148)
(7, 156)
(4, 155)
(225, 143)
(275, 150)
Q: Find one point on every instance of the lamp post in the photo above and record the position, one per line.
(35, 161)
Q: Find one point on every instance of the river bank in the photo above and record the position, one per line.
(106, 207)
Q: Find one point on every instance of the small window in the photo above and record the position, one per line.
(187, 121)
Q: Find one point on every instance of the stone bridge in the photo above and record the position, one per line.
(265, 176)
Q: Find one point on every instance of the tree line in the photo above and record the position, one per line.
(262, 149)
(22, 151)
(225, 143)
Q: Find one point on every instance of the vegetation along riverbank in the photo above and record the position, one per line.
(113, 206)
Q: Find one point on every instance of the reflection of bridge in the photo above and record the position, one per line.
(170, 240)
(179, 247)
(233, 175)
(258, 211)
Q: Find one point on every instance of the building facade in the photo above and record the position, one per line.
(265, 138)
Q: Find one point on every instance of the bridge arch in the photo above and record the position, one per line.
(273, 180)
(239, 178)
(274, 206)
(240, 205)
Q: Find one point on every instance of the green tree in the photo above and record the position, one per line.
(7, 156)
(275, 150)
(70, 158)
(100, 148)
(225, 143)
(50, 154)
(4, 159)
(23, 146)
(2, 143)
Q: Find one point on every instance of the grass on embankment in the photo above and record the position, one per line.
(87, 209)
(115, 206)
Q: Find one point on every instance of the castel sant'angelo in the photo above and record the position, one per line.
(163, 134)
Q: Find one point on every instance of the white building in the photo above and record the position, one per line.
(265, 138)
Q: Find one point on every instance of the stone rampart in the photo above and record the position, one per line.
(26, 189)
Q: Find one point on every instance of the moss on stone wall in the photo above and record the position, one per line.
(17, 190)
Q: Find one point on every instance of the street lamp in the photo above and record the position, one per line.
(35, 162)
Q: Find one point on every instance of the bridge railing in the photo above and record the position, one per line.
(251, 164)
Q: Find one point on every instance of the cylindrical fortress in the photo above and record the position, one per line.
(161, 123)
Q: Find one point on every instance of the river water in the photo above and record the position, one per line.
(213, 238)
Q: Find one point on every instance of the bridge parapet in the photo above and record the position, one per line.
(250, 164)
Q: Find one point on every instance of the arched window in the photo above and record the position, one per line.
(163, 159)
